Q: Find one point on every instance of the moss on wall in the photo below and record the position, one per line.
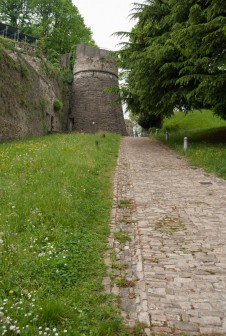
(27, 95)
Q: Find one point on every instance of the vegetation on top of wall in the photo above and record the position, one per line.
(57, 24)
(52, 69)
(6, 43)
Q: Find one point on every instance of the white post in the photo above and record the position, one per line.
(156, 131)
(185, 143)
(167, 136)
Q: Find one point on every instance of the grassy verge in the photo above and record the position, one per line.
(194, 120)
(206, 139)
(54, 215)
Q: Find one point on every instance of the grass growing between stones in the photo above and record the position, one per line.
(122, 236)
(169, 225)
(54, 216)
(206, 139)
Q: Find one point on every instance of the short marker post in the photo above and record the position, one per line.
(185, 143)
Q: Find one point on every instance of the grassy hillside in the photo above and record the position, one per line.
(206, 135)
(55, 206)
(195, 120)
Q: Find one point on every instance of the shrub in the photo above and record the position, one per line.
(57, 105)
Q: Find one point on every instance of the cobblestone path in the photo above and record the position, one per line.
(167, 249)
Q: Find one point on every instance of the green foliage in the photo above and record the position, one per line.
(57, 24)
(66, 76)
(206, 139)
(43, 103)
(24, 70)
(57, 105)
(175, 58)
(7, 43)
(122, 236)
(51, 69)
(194, 120)
(15, 11)
(206, 148)
(149, 120)
(54, 224)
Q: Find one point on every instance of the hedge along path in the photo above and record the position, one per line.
(167, 247)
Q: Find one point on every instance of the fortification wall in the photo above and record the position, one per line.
(94, 105)
(27, 97)
(94, 59)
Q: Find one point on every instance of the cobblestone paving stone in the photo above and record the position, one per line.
(167, 249)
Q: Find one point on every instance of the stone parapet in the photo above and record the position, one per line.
(94, 59)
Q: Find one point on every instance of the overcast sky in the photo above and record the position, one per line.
(106, 17)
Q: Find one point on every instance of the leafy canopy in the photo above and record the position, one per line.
(175, 58)
(57, 23)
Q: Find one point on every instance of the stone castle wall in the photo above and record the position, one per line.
(94, 107)
(27, 95)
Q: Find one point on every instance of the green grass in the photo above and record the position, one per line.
(206, 139)
(122, 236)
(54, 215)
(194, 120)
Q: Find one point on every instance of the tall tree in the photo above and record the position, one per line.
(176, 57)
(57, 24)
(68, 29)
(15, 12)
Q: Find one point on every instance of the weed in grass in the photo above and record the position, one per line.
(122, 236)
(53, 311)
(20, 312)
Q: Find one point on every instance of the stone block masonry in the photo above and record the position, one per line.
(27, 95)
(94, 107)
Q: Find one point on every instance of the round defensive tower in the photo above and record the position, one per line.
(94, 107)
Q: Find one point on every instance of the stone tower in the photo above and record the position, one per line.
(93, 107)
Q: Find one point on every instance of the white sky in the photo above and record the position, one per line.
(106, 17)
